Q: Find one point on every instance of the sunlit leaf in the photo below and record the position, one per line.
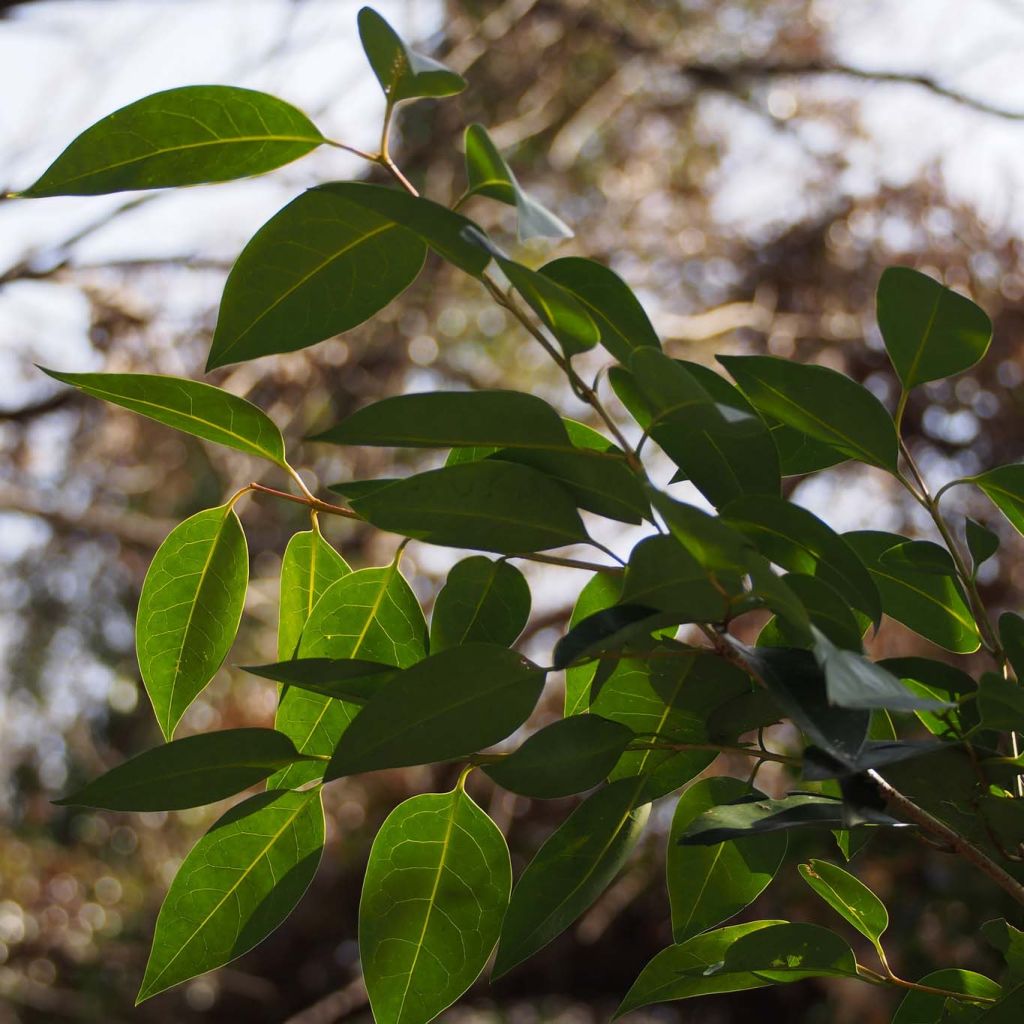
(790, 952)
(929, 1007)
(347, 679)
(1005, 487)
(601, 591)
(849, 897)
(481, 601)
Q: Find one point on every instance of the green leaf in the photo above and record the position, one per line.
(189, 610)
(709, 884)
(820, 402)
(490, 505)
(724, 451)
(309, 566)
(436, 888)
(489, 175)
(1005, 487)
(1010, 942)
(200, 133)
(348, 679)
(190, 772)
(919, 556)
(981, 542)
(928, 1008)
(849, 897)
(600, 593)
(1011, 636)
(320, 266)
(573, 867)
(688, 969)
(481, 601)
(828, 610)
(784, 953)
(1000, 704)
(799, 541)
(607, 630)
(930, 331)
(447, 706)
(566, 757)
(240, 881)
(852, 681)
(662, 574)
(620, 319)
(744, 818)
(446, 232)
(196, 408)
(943, 682)
(933, 606)
(819, 765)
(371, 615)
(403, 74)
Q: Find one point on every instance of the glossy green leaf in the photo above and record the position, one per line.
(566, 757)
(309, 566)
(927, 603)
(449, 705)
(818, 764)
(852, 681)
(919, 556)
(1011, 636)
(188, 405)
(747, 817)
(709, 884)
(403, 74)
(481, 601)
(790, 952)
(573, 867)
(945, 683)
(820, 402)
(239, 882)
(799, 541)
(187, 136)
(490, 505)
(610, 629)
(688, 969)
(370, 615)
(724, 451)
(930, 331)
(320, 266)
(601, 591)
(662, 574)
(849, 897)
(489, 175)
(189, 610)
(1000, 704)
(981, 542)
(828, 611)
(190, 772)
(620, 319)
(435, 891)
(347, 679)
(1005, 487)
(928, 1007)
(1010, 943)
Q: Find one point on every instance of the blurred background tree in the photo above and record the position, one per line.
(748, 167)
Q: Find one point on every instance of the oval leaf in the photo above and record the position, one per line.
(348, 679)
(190, 772)
(436, 888)
(1005, 487)
(196, 408)
(240, 881)
(601, 591)
(189, 610)
(187, 136)
(446, 706)
(320, 266)
(790, 952)
(849, 897)
(709, 884)
(929, 1007)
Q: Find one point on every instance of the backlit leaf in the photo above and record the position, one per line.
(1005, 487)
(928, 1007)
(600, 593)
(849, 897)
(790, 952)
(347, 679)
(481, 601)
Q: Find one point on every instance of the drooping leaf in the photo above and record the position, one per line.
(186, 136)
(688, 969)
(436, 888)
(607, 630)
(799, 541)
(569, 872)
(829, 612)
(370, 615)
(929, 1007)
(981, 542)
(929, 604)
(481, 601)
(188, 405)
(849, 897)
(790, 952)
(709, 884)
(490, 505)
(403, 73)
(349, 679)
(743, 818)
(489, 175)
(600, 593)
(189, 772)
(569, 756)
(449, 705)
(189, 610)
(930, 331)
(1005, 487)
(320, 266)
(309, 566)
(820, 402)
(240, 881)
(620, 318)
